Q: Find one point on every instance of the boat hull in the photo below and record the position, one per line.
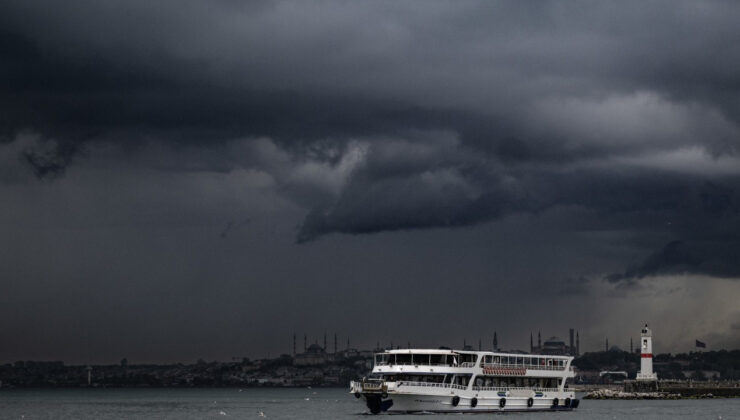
(426, 403)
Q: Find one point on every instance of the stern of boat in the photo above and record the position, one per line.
(374, 392)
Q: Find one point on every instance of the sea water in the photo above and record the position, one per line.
(303, 403)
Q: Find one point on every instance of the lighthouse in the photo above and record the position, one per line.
(646, 356)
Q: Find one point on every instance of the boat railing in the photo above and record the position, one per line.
(413, 364)
(484, 365)
(531, 367)
(368, 385)
(512, 388)
(430, 385)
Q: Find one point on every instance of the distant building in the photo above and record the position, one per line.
(555, 346)
(313, 356)
(350, 353)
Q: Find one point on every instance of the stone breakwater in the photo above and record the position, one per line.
(610, 394)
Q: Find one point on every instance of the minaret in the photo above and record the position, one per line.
(572, 348)
(646, 356)
(606, 345)
(539, 340)
(347, 343)
(531, 342)
(324, 341)
(578, 344)
(495, 341)
(293, 344)
(335, 343)
(632, 349)
(305, 342)
(480, 344)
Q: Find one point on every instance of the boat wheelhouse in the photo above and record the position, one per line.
(456, 381)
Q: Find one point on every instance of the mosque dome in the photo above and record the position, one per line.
(315, 348)
(554, 341)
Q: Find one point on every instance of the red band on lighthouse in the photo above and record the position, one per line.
(650, 355)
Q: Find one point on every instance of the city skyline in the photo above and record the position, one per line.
(194, 179)
(303, 342)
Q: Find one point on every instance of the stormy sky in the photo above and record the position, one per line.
(202, 179)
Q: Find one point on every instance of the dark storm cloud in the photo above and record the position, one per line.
(87, 68)
(50, 161)
(407, 203)
(705, 219)
(542, 106)
(714, 258)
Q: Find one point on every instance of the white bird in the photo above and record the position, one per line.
(262, 414)
(223, 413)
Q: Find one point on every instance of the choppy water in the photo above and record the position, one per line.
(317, 403)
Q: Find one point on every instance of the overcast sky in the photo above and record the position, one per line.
(194, 179)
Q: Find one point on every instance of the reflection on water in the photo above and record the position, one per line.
(316, 403)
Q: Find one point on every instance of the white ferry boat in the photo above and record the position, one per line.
(456, 381)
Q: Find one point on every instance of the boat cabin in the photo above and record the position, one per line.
(462, 359)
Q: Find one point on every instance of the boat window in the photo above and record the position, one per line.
(437, 359)
(420, 359)
(519, 360)
(415, 378)
(536, 382)
(461, 380)
(403, 359)
(468, 359)
(381, 359)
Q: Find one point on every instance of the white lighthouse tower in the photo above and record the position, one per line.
(646, 356)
